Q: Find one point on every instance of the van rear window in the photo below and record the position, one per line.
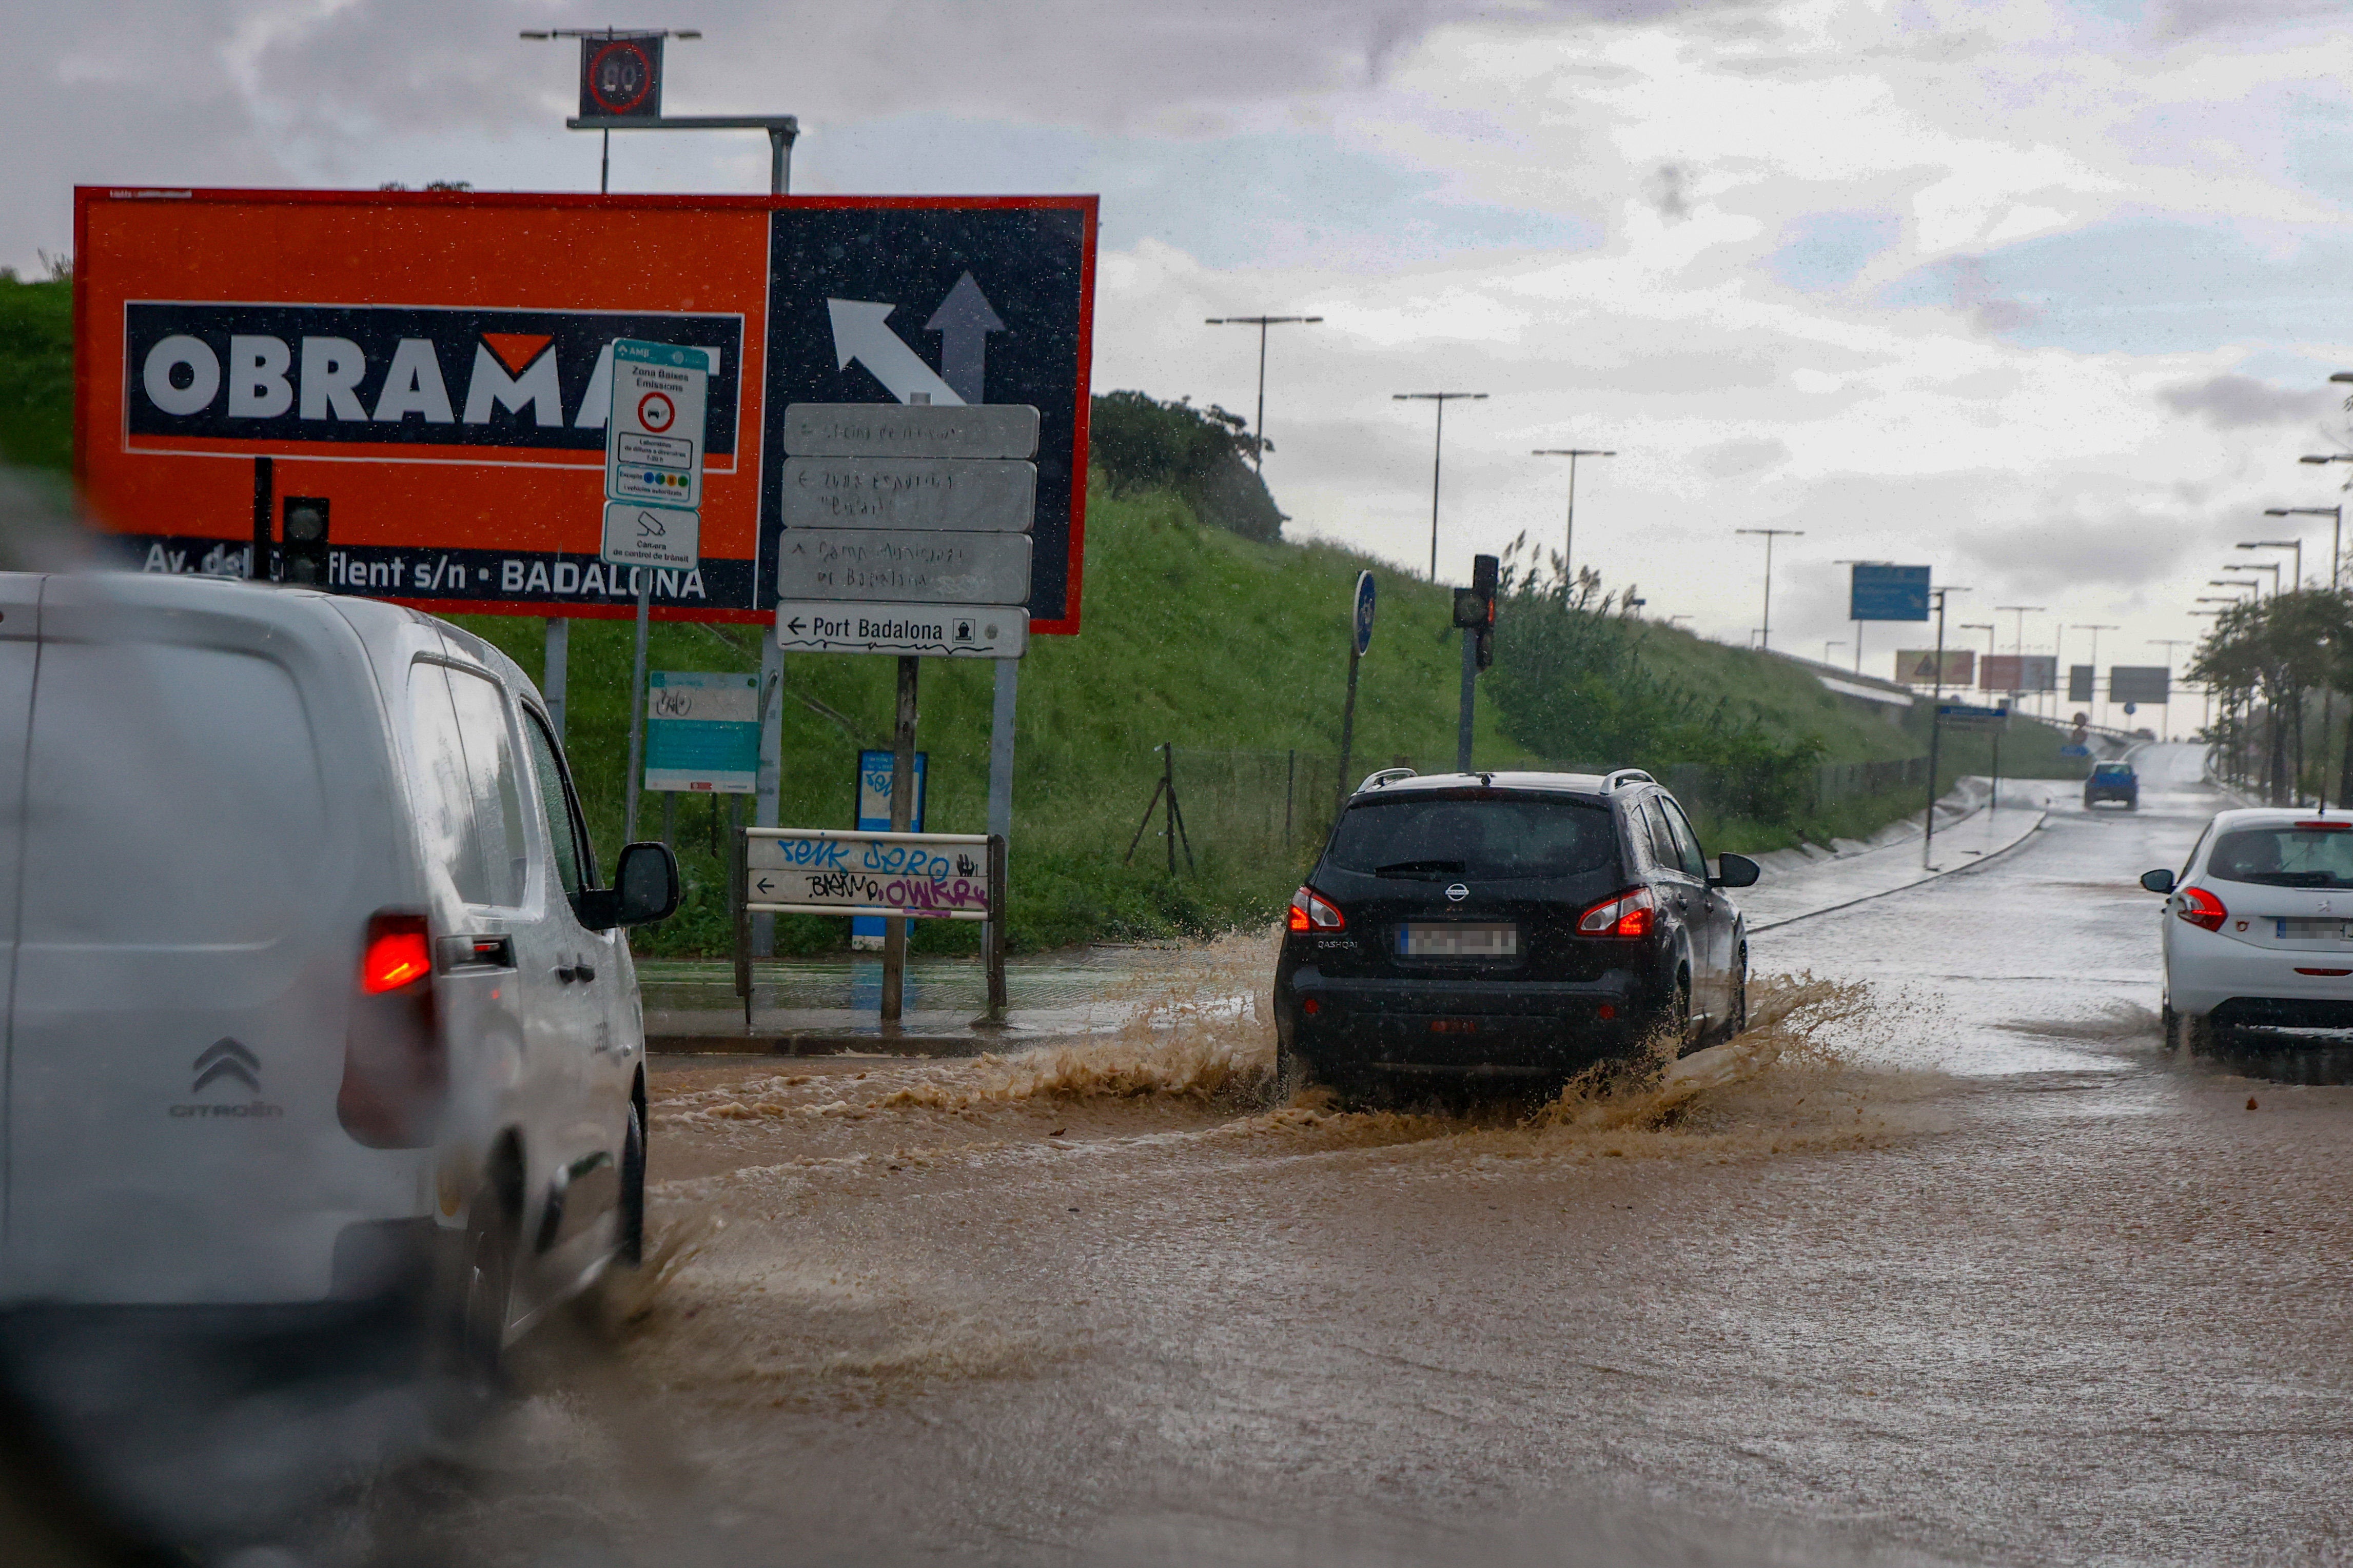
(470, 803)
(1474, 835)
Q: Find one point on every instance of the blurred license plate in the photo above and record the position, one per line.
(1458, 939)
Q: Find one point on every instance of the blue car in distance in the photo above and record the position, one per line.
(2112, 781)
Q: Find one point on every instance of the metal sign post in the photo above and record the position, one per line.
(1360, 638)
(653, 486)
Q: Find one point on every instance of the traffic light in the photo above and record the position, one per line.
(302, 547)
(1475, 608)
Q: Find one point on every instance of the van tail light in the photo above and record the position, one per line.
(1628, 914)
(396, 1075)
(2201, 909)
(1311, 910)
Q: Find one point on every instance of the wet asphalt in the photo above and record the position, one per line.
(1974, 1273)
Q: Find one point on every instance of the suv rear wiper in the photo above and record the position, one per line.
(1407, 867)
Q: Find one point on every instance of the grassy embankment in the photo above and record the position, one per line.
(1194, 634)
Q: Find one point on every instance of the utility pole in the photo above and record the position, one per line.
(1568, 530)
(1765, 636)
(1258, 438)
(1437, 452)
(1935, 730)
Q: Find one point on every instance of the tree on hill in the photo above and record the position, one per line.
(1141, 443)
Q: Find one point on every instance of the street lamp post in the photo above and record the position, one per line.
(2018, 646)
(1988, 627)
(1765, 636)
(2270, 566)
(2098, 704)
(1437, 452)
(2295, 545)
(1258, 439)
(1568, 530)
(2336, 514)
(2169, 645)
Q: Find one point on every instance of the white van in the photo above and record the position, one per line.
(311, 990)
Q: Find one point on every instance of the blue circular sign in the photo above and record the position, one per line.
(2131, 708)
(1363, 612)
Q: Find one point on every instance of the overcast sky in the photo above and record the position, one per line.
(2044, 295)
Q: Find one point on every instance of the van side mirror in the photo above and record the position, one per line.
(644, 888)
(2157, 881)
(1735, 871)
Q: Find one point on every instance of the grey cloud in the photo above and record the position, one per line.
(1670, 189)
(2050, 557)
(2235, 402)
(1729, 459)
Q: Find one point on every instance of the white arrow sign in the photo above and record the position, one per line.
(861, 331)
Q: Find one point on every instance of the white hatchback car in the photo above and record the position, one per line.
(311, 991)
(2258, 928)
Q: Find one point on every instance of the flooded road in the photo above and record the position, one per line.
(1969, 1272)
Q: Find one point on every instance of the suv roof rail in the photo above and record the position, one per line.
(1375, 781)
(1620, 778)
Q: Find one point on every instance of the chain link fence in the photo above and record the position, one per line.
(1237, 806)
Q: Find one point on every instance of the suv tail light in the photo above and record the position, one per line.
(2201, 908)
(1627, 914)
(1311, 910)
(394, 1073)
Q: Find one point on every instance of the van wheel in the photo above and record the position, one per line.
(632, 1250)
(485, 1292)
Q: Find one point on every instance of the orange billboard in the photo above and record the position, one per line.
(437, 367)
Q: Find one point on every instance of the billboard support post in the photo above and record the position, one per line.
(903, 812)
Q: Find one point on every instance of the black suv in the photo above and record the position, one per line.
(1506, 926)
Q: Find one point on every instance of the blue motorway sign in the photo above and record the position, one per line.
(1878, 593)
(1363, 612)
(940, 302)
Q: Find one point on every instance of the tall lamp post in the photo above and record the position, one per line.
(2018, 643)
(1569, 529)
(2295, 545)
(2336, 514)
(1765, 637)
(1988, 627)
(1257, 438)
(2270, 566)
(2099, 704)
(1437, 452)
(2169, 645)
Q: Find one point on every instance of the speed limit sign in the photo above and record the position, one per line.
(620, 77)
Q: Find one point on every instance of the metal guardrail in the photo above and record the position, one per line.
(848, 872)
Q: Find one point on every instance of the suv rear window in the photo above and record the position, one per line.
(1474, 835)
(2114, 770)
(2284, 858)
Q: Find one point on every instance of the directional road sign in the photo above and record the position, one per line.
(1879, 593)
(2140, 683)
(927, 568)
(881, 430)
(947, 631)
(1966, 716)
(960, 493)
(925, 876)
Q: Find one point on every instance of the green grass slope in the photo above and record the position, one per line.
(1233, 652)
